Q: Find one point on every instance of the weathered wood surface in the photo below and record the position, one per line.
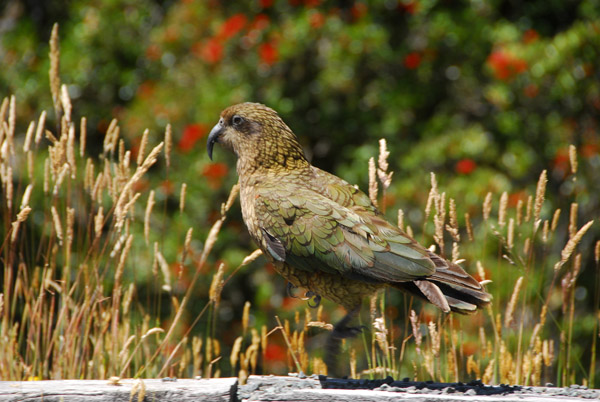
(221, 389)
(273, 388)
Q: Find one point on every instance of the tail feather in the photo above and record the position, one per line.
(462, 293)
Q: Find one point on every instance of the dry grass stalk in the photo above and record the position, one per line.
(545, 231)
(502, 209)
(235, 352)
(487, 206)
(401, 219)
(414, 322)
(245, 317)
(40, 127)
(481, 271)
(142, 148)
(473, 367)
(572, 244)
(57, 224)
(573, 219)
(573, 158)
(21, 217)
(216, 285)
(555, 218)
(139, 172)
(438, 219)
(373, 181)
(510, 308)
(3, 109)
(164, 268)
(54, 68)
(452, 228)
(381, 333)
(98, 222)
(26, 196)
(529, 208)
(187, 243)
(82, 136)
(149, 206)
(597, 252)
(8, 183)
(519, 209)
(469, 226)
(433, 196)
(511, 234)
(168, 144)
(66, 103)
(28, 137)
(384, 177)
(182, 197)
(539, 196)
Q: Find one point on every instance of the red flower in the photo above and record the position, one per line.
(214, 173)
(505, 66)
(260, 22)
(274, 352)
(465, 166)
(316, 20)
(265, 3)
(531, 90)
(268, 53)
(561, 160)
(412, 60)
(588, 150)
(191, 134)
(167, 187)
(358, 10)
(312, 3)
(146, 89)
(210, 51)
(153, 52)
(410, 8)
(232, 26)
(530, 36)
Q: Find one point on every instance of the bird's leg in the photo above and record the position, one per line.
(340, 331)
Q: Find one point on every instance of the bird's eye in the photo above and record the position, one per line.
(237, 120)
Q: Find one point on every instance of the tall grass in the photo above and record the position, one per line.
(79, 229)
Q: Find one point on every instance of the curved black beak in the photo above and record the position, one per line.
(213, 137)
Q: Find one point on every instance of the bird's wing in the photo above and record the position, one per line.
(310, 231)
(342, 192)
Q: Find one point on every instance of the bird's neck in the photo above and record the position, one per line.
(252, 170)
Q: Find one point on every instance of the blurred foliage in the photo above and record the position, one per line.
(486, 94)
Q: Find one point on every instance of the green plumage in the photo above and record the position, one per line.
(323, 233)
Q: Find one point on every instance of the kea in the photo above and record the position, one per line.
(325, 235)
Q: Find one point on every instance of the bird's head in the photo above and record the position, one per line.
(257, 135)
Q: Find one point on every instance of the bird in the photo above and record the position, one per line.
(325, 235)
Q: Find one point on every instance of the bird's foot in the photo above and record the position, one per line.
(315, 298)
(290, 289)
(309, 295)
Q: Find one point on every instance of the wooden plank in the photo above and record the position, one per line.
(261, 388)
(219, 389)
(278, 388)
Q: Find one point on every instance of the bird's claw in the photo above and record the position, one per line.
(311, 296)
